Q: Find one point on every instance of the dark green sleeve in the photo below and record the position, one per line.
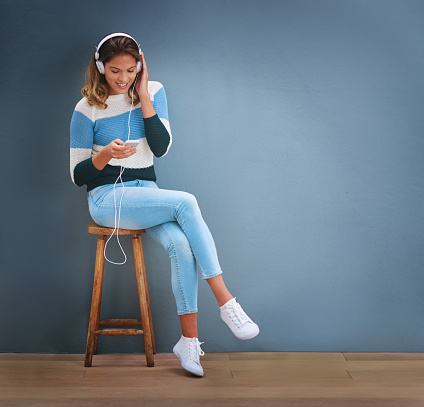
(85, 171)
(156, 135)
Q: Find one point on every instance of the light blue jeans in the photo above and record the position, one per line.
(173, 219)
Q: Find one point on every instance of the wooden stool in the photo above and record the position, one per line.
(143, 294)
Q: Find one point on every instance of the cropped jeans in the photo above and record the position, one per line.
(173, 219)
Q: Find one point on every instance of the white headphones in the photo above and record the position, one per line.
(100, 65)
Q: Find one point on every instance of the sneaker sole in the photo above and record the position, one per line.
(244, 338)
(185, 368)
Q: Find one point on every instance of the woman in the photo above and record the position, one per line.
(119, 104)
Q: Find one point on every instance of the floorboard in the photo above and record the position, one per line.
(293, 379)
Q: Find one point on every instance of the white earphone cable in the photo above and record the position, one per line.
(116, 229)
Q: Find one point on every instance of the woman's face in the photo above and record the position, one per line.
(120, 72)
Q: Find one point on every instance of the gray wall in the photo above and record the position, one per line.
(298, 124)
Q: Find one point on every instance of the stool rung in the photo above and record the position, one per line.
(119, 332)
(120, 322)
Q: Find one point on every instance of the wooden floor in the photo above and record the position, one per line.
(231, 379)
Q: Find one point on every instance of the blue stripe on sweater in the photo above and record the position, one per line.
(111, 128)
(82, 126)
(160, 104)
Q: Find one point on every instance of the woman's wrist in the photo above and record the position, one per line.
(147, 106)
(144, 98)
(143, 92)
(101, 159)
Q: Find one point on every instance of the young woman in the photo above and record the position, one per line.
(120, 103)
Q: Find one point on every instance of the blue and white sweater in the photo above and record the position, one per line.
(93, 128)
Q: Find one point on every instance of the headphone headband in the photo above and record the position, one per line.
(99, 64)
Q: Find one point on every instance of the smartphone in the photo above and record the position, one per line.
(132, 143)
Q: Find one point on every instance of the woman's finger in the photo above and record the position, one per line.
(144, 69)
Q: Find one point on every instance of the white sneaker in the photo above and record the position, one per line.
(188, 351)
(237, 320)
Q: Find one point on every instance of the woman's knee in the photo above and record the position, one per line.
(174, 239)
(179, 241)
(189, 201)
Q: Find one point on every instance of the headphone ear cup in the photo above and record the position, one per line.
(100, 67)
(138, 66)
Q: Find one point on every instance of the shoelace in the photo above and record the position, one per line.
(237, 315)
(194, 350)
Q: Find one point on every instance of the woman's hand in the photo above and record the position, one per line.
(141, 87)
(115, 149)
(142, 79)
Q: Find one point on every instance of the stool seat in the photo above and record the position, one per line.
(143, 296)
(96, 229)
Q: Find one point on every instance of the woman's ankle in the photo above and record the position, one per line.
(189, 325)
(219, 289)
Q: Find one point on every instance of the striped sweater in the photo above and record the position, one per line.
(93, 128)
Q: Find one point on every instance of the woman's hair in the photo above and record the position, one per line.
(96, 88)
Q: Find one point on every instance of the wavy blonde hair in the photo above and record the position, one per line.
(96, 89)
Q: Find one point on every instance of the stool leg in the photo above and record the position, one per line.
(96, 337)
(149, 309)
(102, 253)
(95, 301)
(143, 298)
